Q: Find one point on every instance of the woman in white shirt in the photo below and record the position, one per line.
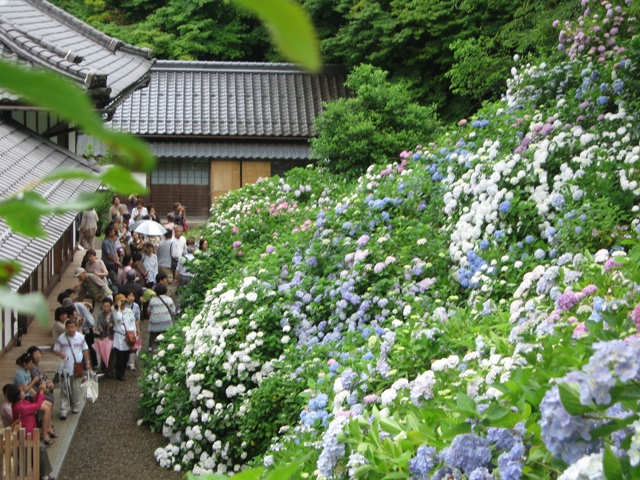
(124, 321)
(139, 211)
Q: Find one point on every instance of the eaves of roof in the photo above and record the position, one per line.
(24, 159)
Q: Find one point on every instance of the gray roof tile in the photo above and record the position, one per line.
(229, 99)
(25, 158)
(40, 34)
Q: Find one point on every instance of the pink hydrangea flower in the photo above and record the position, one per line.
(237, 244)
(580, 330)
(368, 399)
(635, 316)
(567, 300)
(589, 289)
(611, 264)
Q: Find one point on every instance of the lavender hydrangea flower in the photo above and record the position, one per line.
(567, 300)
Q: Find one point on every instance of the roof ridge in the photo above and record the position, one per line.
(103, 39)
(242, 67)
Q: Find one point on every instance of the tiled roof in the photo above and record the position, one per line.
(229, 99)
(224, 149)
(24, 159)
(40, 34)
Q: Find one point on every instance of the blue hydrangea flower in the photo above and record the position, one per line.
(510, 463)
(602, 100)
(529, 239)
(484, 244)
(505, 206)
(468, 452)
(421, 465)
(618, 86)
(558, 201)
(566, 436)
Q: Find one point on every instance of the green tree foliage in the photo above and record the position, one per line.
(423, 41)
(378, 122)
(179, 29)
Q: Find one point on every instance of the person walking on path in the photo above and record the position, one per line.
(88, 227)
(91, 285)
(167, 256)
(95, 265)
(161, 313)
(125, 321)
(139, 211)
(131, 304)
(180, 241)
(150, 262)
(110, 255)
(117, 208)
(80, 312)
(104, 324)
(71, 348)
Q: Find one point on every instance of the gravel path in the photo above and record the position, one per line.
(108, 443)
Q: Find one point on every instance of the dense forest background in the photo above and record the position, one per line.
(453, 54)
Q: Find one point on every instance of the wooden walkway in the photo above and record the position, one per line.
(40, 334)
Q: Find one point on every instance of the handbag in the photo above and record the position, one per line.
(78, 367)
(91, 388)
(129, 335)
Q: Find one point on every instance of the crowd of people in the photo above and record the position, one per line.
(134, 280)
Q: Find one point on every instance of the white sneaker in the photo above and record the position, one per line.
(131, 367)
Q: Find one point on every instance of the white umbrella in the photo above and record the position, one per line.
(151, 228)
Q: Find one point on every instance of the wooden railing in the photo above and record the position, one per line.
(20, 455)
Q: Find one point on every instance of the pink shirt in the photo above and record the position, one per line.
(26, 410)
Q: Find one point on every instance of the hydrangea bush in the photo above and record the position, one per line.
(470, 311)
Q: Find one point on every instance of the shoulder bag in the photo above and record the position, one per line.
(129, 335)
(78, 367)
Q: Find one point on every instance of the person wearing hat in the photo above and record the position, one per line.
(124, 321)
(72, 348)
(91, 285)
